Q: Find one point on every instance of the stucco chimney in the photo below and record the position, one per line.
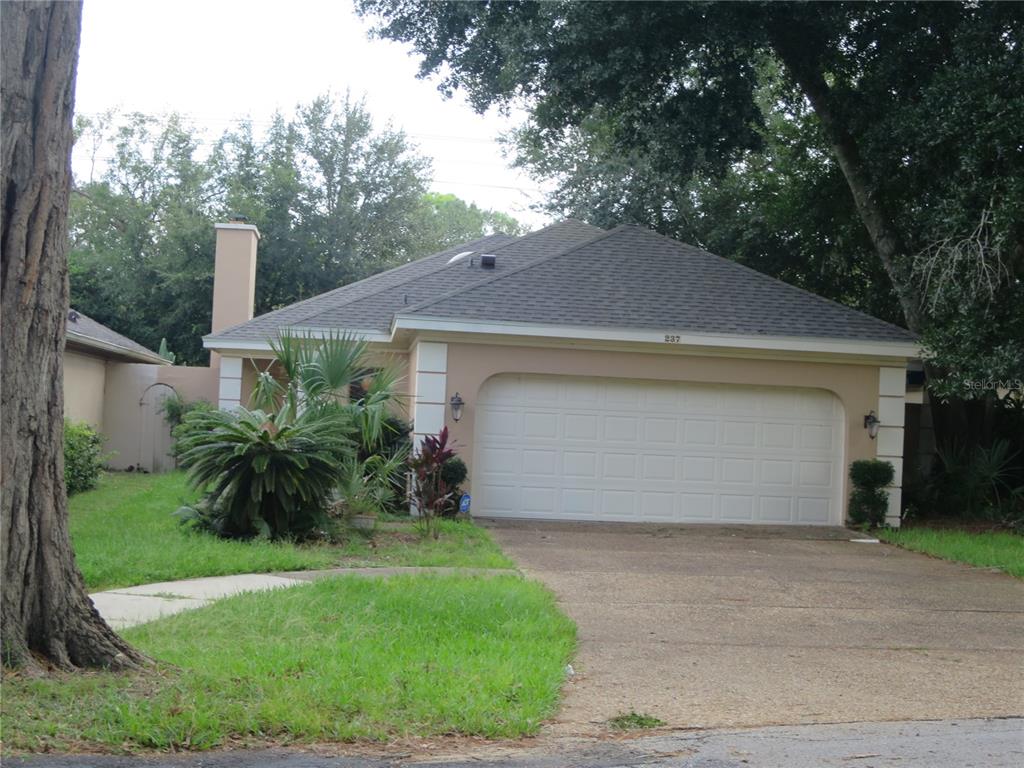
(234, 274)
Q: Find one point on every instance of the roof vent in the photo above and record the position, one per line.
(459, 256)
(488, 261)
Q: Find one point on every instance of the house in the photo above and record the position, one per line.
(612, 375)
(117, 386)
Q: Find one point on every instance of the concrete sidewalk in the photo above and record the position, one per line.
(128, 606)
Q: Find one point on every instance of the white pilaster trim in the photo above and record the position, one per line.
(891, 411)
(229, 394)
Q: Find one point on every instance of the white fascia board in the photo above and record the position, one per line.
(246, 346)
(668, 338)
(94, 343)
(212, 342)
(323, 333)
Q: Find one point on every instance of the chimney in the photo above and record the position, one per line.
(234, 274)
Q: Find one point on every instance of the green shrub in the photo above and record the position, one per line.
(981, 482)
(266, 475)
(83, 457)
(869, 499)
(453, 474)
(394, 443)
(175, 408)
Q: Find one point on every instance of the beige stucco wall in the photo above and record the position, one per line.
(135, 430)
(190, 382)
(125, 426)
(85, 378)
(470, 365)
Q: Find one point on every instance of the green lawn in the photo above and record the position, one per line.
(124, 534)
(461, 544)
(340, 659)
(989, 550)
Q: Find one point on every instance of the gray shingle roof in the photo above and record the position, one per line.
(371, 304)
(267, 325)
(573, 274)
(634, 278)
(86, 332)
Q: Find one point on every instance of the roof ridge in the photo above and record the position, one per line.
(494, 278)
(765, 276)
(512, 242)
(396, 268)
(381, 290)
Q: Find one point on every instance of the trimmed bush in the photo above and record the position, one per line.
(869, 500)
(453, 474)
(83, 457)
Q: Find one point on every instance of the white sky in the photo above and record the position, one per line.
(221, 60)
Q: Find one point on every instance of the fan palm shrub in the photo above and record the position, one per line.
(266, 475)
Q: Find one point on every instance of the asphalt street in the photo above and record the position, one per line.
(984, 743)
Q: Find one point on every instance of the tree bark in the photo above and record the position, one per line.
(48, 619)
(789, 46)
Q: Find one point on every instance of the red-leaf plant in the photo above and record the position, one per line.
(429, 491)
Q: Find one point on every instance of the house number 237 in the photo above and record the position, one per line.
(671, 339)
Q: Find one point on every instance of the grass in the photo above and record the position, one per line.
(124, 534)
(634, 722)
(340, 659)
(461, 544)
(1001, 550)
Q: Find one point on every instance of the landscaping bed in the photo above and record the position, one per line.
(124, 533)
(986, 549)
(340, 659)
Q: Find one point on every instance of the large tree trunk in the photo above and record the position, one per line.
(47, 616)
(789, 46)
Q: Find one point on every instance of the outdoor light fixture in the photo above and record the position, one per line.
(456, 403)
(871, 424)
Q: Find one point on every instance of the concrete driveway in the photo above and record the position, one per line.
(728, 626)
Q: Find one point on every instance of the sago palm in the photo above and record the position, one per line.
(263, 477)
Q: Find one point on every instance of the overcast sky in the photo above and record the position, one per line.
(221, 60)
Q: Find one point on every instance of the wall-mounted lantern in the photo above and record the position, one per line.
(456, 403)
(871, 424)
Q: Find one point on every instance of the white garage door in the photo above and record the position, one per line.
(565, 448)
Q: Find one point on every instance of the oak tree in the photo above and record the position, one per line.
(47, 617)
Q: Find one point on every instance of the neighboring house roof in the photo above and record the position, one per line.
(574, 275)
(85, 333)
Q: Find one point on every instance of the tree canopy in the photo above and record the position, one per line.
(868, 151)
(334, 199)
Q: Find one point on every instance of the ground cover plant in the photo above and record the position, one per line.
(459, 544)
(635, 721)
(986, 549)
(338, 659)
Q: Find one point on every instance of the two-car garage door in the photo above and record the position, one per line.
(580, 448)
